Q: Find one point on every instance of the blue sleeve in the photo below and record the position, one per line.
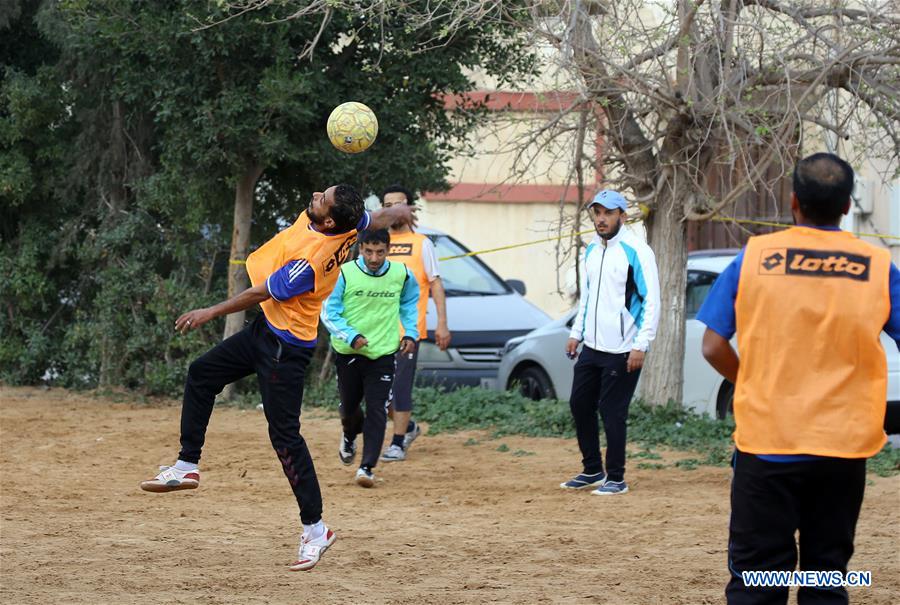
(364, 222)
(409, 306)
(333, 314)
(291, 280)
(892, 327)
(717, 311)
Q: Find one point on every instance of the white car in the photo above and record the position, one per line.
(537, 365)
(483, 312)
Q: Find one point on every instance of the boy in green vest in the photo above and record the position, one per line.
(371, 300)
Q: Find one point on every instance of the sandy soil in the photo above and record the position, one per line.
(459, 522)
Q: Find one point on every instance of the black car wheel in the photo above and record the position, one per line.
(892, 418)
(533, 382)
(725, 401)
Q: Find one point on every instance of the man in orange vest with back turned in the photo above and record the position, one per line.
(417, 252)
(808, 305)
(292, 274)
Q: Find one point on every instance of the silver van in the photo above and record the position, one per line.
(483, 313)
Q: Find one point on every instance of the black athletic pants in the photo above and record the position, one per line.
(404, 379)
(602, 377)
(360, 377)
(770, 501)
(281, 369)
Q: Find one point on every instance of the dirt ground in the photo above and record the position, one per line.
(458, 522)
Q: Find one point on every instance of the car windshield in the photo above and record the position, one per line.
(465, 276)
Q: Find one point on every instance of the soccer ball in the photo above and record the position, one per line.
(352, 127)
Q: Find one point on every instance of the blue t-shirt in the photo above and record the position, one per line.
(717, 312)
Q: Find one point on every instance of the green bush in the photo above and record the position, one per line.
(509, 413)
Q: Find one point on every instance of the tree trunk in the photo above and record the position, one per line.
(238, 280)
(663, 375)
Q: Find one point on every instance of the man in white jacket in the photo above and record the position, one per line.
(618, 313)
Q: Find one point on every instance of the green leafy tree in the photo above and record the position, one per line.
(179, 122)
(236, 99)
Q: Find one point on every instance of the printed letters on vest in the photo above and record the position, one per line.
(810, 309)
(325, 253)
(406, 248)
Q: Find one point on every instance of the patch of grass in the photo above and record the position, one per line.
(470, 441)
(520, 453)
(508, 413)
(503, 448)
(688, 464)
(674, 427)
(115, 395)
(886, 462)
(653, 466)
(646, 454)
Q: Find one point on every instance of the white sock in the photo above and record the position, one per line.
(187, 467)
(314, 531)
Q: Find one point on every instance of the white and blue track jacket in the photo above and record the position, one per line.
(619, 306)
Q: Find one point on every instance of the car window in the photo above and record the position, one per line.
(466, 276)
(698, 286)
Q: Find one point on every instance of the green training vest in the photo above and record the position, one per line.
(372, 308)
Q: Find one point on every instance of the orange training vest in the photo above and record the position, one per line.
(325, 253)
(810, 308)
(406, 248)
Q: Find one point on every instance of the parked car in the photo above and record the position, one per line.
(483, 312)
(536, 363)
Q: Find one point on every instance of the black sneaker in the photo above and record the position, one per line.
(347, 451)
(585, 481)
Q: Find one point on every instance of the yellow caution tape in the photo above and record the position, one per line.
(741, 221)
(511, 246)
(717, 219)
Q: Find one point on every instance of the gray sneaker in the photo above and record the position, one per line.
(394, 453)
(409, 437)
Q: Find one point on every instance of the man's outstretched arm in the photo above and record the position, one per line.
(399, 214)
(246, 299)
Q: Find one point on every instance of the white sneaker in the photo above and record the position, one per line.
(394, 453)
(365, 477)
(171, 479)
(311, 551)
(409, 437)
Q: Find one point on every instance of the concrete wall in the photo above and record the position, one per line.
(483, 225)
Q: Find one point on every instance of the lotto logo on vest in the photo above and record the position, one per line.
(340, 255)
(374, 294)
(400, 250)
(814, 263)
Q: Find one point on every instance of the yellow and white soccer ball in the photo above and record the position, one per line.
(352, 127)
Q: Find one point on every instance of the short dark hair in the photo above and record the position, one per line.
(374, 236)
(395, 188)
(348, 208)
(823, 183)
